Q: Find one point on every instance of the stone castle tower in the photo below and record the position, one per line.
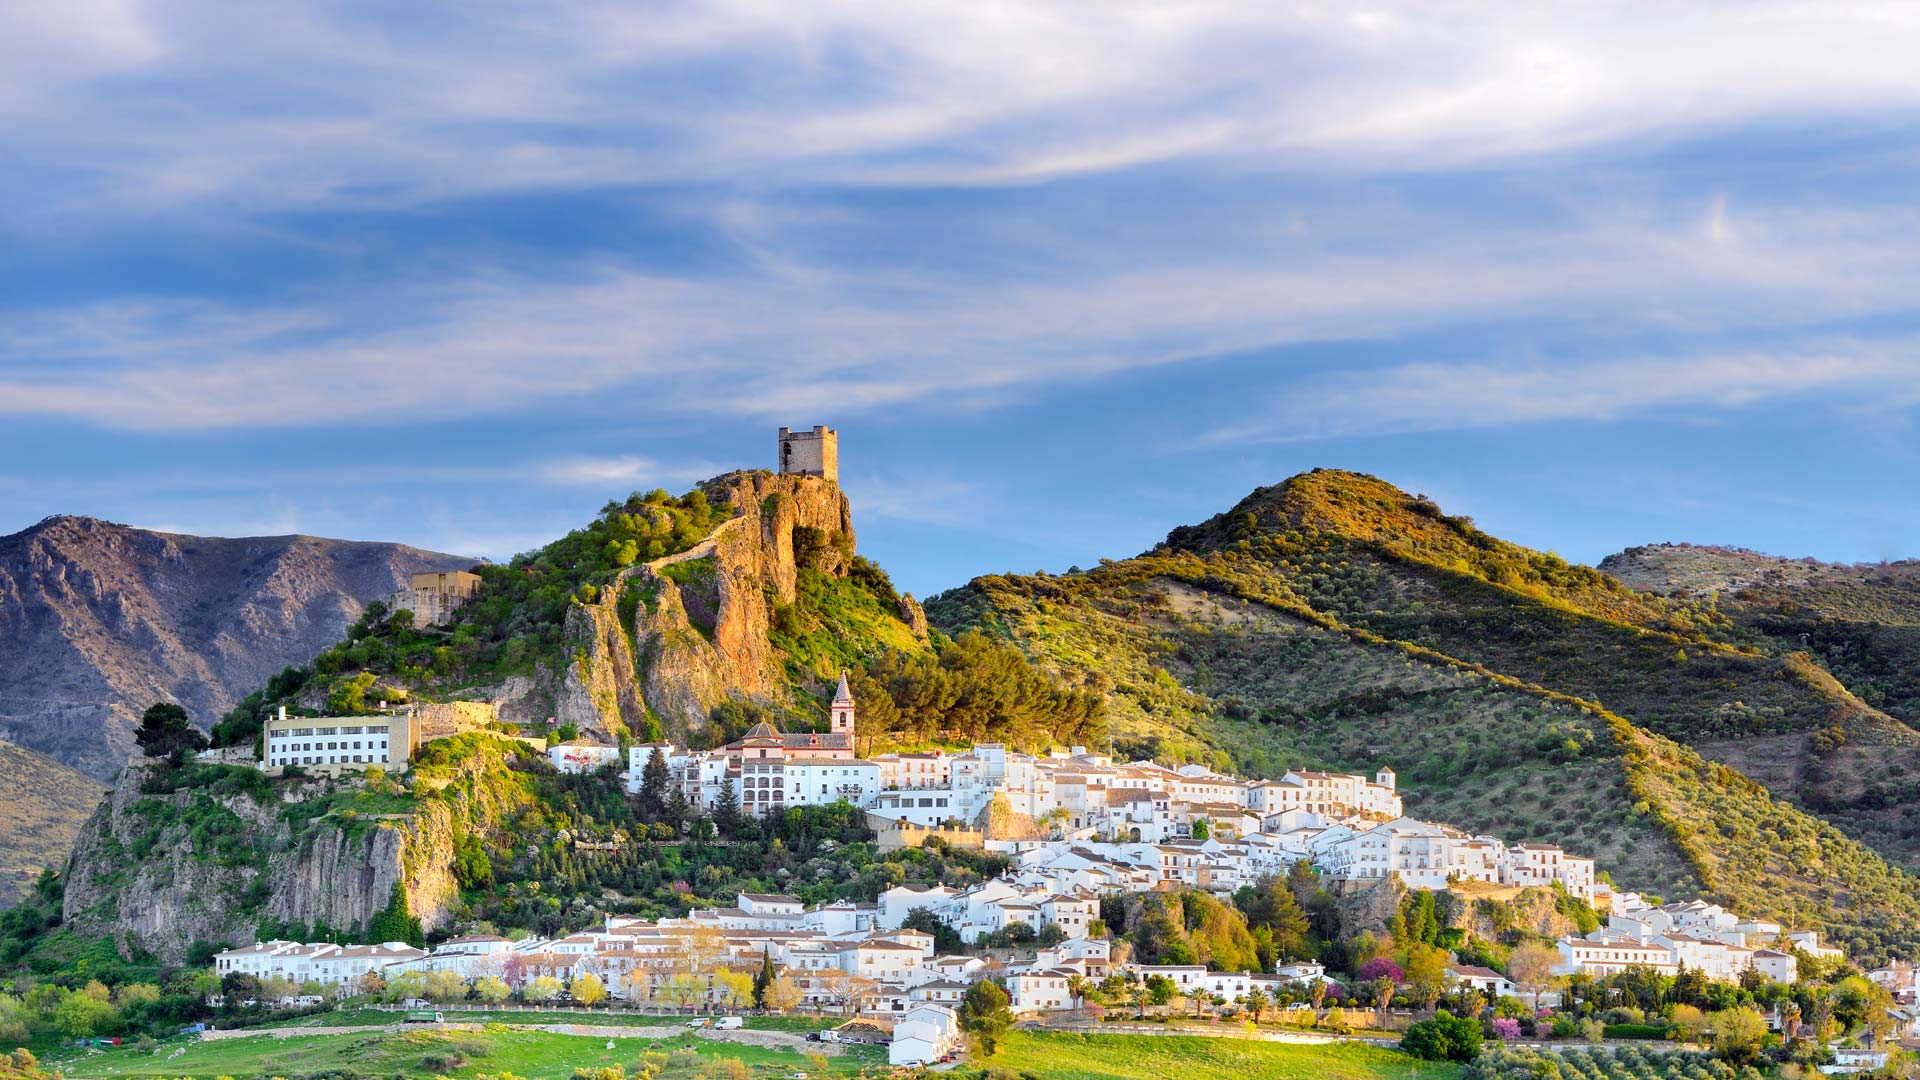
(810, 453)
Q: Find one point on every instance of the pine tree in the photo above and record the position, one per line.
(726, 809)
(165, 731)
(984, 1015)
(653, 786)
(1271, 906)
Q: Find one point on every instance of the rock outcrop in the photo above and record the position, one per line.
(98, 621)
(913, 615)
(672, 638)
(159, 871)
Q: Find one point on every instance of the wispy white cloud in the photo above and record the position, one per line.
(925, 497)
(1442, 397)
(142, 102)
(802, 333)
(623, 469)
(118, 108)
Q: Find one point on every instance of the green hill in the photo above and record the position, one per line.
(1336, 621)
(691, 618)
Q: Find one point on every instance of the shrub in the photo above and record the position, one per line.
(1444, 1038)
(1635, 1031)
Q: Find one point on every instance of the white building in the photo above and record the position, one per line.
(327, 964)
(579, 757)
(1483, 979)
(1039, 991)
(927, 1033)
(331, 744)
(1603, 958)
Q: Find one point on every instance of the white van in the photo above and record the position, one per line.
(728, 1022)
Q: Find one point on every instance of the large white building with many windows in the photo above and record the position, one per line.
(336, 743)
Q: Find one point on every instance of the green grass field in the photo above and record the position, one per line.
(1058, 1056)
(458, 1054)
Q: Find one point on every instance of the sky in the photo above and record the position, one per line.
(1063, 276)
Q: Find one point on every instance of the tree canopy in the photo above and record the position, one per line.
(166, 731)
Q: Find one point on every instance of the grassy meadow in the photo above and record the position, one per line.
(461, 1055)
(1062, 1056)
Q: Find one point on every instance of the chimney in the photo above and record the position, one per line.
(283, 712)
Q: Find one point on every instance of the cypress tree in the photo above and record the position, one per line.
(763, 978)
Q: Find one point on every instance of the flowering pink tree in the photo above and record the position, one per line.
(1381, 968)
(1506, 1029)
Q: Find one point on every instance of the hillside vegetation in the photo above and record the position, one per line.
(692, 617)
(1334, 621)
(43, 803)
(1860, 622)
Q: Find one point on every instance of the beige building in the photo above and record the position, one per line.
(435, 595)
(810, 453)
(332, 744)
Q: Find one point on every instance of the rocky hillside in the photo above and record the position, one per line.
(680, 634)
(1334, 620)
(207, 853)
(1861, 621)
(98, 621)
(42, 805)
(745, 592)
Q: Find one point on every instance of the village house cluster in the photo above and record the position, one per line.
(1110, 829)
(1118, 825)
(863, 958)
(1694, 934)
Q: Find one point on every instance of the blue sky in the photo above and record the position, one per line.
(457, 276)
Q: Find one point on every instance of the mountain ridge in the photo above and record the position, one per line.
(99, 620)
(108, 618)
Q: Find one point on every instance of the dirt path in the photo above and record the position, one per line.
(778, 1040)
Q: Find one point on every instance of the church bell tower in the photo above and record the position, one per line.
(842, 711)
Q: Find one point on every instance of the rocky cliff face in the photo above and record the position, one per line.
(681, 634)
(99, 621)
(161, 871)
